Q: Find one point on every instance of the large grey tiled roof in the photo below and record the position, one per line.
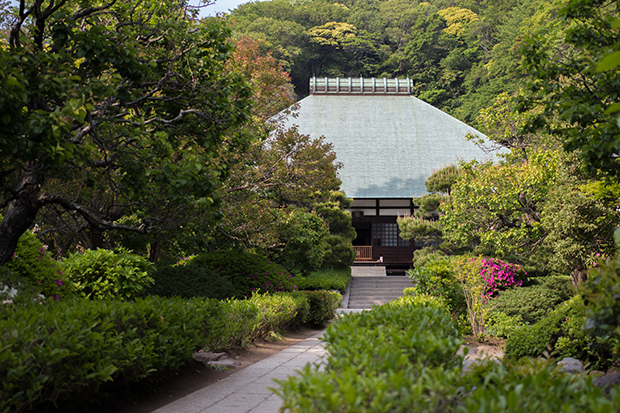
(388, 144)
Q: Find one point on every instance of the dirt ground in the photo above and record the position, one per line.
(195, 376)
(491, 347)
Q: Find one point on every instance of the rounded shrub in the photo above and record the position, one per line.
(561, 334)
(191, 281)
(246, 271)
(32, 263)
(101, 274)
(533, 300)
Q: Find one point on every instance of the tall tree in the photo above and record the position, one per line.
(578, 100)
(123, 101)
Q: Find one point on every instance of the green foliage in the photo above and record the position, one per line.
(499, 324)
(283, 310)
(419, 229)
(437, 278)
(302, 241)
(533, 385)
(497, 206)
(560, 333)
(388, 359)
(83, 346)
(339, 252)
(189, 281)
(107, 131)
(601, 294)
(104, 274)
(468, 271)
(442, 180)
(425, 255)
(323, 306)
(247, 272)
(534, 300)
(581, 112)
(326, 278)
(39, 269)
(400, 357)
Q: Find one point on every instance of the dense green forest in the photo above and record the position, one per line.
(461, 54)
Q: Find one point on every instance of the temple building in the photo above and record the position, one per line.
(389, 142)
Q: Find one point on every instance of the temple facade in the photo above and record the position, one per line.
(389, 143)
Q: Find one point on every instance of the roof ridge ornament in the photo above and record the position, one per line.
(355, 86)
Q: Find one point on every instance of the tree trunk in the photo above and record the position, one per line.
(21, 212)
(578, 276)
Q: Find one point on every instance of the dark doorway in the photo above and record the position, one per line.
(364, 233)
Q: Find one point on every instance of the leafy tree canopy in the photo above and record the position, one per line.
(110, 109)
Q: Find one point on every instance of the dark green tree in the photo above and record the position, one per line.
(579, 101)
(110, 109)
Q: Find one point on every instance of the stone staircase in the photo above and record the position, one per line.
(366, 291)
(367, 271)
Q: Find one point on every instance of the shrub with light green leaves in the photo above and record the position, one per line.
(400, 357)
(561, 334)
(601, 294)
(105, 274)
(326, 278)
(33, 264)
(535, 299)
(379, 361)
(500, 325)
(322, 306)
(65, 352)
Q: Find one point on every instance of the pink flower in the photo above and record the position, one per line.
(58, 281)
(56, 297)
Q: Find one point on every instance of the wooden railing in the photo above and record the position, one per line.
(363, 252)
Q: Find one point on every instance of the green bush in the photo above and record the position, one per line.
(322, 306)
(560, 333)
(247, 272)
(601, 294)
(66, 351)
(32, 263)
(192, 281)
(104, 274)
(381, 361)
(400, 357)
(339, 252)
(536, 385)
(436, 277)
(280, 310)
(534, 300)
(327, 278)
(501, 325)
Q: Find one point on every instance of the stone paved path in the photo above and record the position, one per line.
(246, 391)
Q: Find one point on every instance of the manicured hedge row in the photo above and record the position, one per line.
(401, 357)
(379, 361)
(325, 279)
(69, 350)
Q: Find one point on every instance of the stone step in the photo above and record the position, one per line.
(368, 291)
(375, 293)
(374, 271)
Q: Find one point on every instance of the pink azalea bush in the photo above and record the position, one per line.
(500, 275)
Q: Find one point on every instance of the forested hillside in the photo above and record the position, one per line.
(461, 54)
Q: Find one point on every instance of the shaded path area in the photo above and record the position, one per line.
(246, 391)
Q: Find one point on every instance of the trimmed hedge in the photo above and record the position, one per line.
(534, 300)
(400, 357)
(192, 281)
(67, 351)
(326, 278)
(560, 333)
(379, 361)
(322, 306)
